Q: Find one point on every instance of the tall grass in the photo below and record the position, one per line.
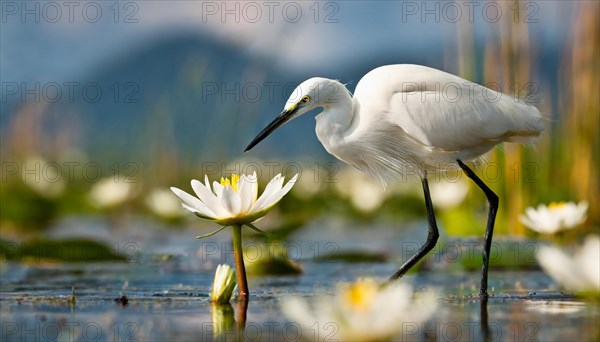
(563, 166)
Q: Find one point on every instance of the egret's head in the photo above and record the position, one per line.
(313, 93)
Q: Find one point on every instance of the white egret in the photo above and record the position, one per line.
(407, 119)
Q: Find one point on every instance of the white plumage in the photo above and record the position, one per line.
(412, 119)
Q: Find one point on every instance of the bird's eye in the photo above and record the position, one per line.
(305, 99)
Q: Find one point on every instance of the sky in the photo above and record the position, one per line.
(50, 41)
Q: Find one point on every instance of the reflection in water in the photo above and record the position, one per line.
(222, 319)
(242, 309)
(555, 307)
(225, 325)
(483, 312)
(185, 314)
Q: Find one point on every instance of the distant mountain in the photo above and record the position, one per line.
(207, 97)
(194, 94)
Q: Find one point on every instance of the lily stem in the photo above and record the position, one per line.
(244, 294)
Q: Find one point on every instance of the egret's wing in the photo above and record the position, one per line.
(463, 117)
(446, 112)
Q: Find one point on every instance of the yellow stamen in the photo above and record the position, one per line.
(556, 205)
(225, 181)
(235, 179)
(233, 182)
(360, 294)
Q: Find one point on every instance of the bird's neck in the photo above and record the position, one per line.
(336, 120)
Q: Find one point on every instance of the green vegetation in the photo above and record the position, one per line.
(64, 251)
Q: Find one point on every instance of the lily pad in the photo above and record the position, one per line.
(355, 257)
(272, 259)
(67, 250)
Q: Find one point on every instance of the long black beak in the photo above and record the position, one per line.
(282, 118)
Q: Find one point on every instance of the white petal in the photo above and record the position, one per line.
(231, 200)
(245, 191)
(298, 311)
(532, 213)
(207, 183)
(560, 267)
(254, 189)
(281, 179)
(539, 215)
(543, 220)
(588, 258)
(271, 188)
(218, 189)
(548, 223)
(187, 207)
(278, 195)
(209, 199)
(526, 221)
(192, 202)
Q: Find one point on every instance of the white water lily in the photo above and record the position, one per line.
(362, 311)
(163, 204)
(363, 192)
(234, 201)
(47, 182)
(579, 271)
(448, 194)
(555, 217)
(223, 285)
(108, 193)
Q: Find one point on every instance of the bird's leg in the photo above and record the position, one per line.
(432, 236)
(489, 231)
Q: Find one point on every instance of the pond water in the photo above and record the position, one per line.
(167, 283)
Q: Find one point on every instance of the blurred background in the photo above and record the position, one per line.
(107, 104)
